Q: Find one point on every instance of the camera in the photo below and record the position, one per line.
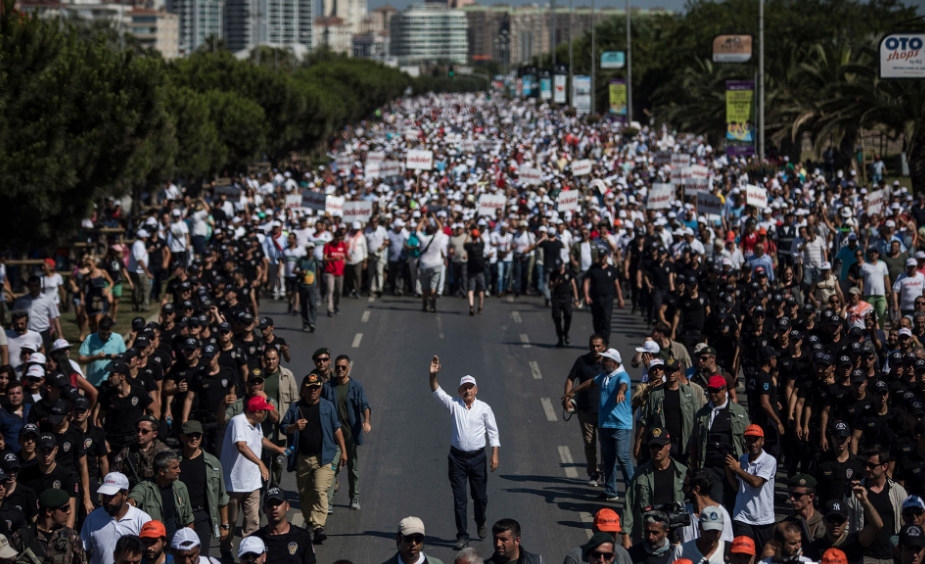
(678, 517)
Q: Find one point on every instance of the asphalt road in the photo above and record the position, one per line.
(510, 349)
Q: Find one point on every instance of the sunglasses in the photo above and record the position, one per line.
(194, 436)
(797, 495)
(835, 520)
(414, 539)
(34, 379)
(341, 367)
(599, 554)
(143, 431)
(323, 359)
(872, 464)
(913, 512)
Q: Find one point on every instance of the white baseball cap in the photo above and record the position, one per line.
(116, 482)
(467, 380)
(656, 362)
(711, 519)
(826, 266)
(251, 545)
(60, 344)
(649, 347)
(37, 358)
(356, 225)
(613, 355)
(35, 371)
(187, 539)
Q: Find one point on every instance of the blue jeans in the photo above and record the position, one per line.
(543, 281)
(504, 273)
(615, 447)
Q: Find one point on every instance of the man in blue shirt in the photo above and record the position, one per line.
(98, 349)
(615, 420)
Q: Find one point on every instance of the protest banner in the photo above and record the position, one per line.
(343, 162)
(567, 200)
(709, 205)
(313, 200)
(357, 211)
(375, 157)
(697, 180)
(530, 175)
(488, 203)
(680, 160)
(372, 170)
(581, 168)
(660, 197)
(293, 201)
(419, 160)
(388, 169)
(756, 196)
(599, 184)
(875, 202)
(334, 205)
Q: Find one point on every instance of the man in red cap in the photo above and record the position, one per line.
(719, 428)
(753, 473)
(243, 469)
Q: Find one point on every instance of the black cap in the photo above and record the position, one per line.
(29, 428)
(909, 359)
(138, 323)
(224, 326)
(141, 343)
(912, 536)
(796, 335)
(266, 322)
(247, 318)
(822, 358)
(881, 386)
(168, 308)
(191, 343)
(659, 436)
(856, 348)
(187, 304)
(672, 366)
(858, 376)
(896, 359)
(184, 286)
(836, 507)
(210, 351)
(841, 429)
(845, 360)
(193, 321)
(256, 374)
(783, 323)
(855, 332)
(181, 323)
(81, 403)
(119, 367)
(59, 409)
(57, 380)
(10, 463)
(765, 354)
(274, 494)
(46, 440)
(836, 320)
(919, 364)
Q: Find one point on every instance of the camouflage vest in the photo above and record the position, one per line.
(61, 548)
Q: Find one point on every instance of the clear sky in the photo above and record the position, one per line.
(676, 5)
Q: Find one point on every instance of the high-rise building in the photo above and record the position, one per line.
(278, 23)
(156, 30)
(352, 12)
(198, 20)
(429, 33)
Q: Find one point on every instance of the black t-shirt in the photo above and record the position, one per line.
(168, 510)
(911, 470)
(586, 368)
(602, 280)
(295, 547)
(851, 547)
(562, 283)
(59, 478)
(310, 437)
(70, 446)
(95, 447)
(833, 476)
(873, 426)
(475, 253)
(762, 384)
(253, 349)
(664, 485)
(660, 275)
(211, 389)
(114, 267)
(123, 413)
(693, 314)
(881, 547)
(672, 411)
(23, 499)
(551, 251)
(151, 373)
(278, 343)
(193, 473)
(11, 520)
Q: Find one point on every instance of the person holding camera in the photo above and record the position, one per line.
(658, 482)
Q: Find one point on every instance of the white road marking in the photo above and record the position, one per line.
(525, 340)
(372, 299)
(510, 299)
(365, 317)
(439, 326)
(357, 339)
(515, 315)
(587, 518)
(535, 370)
(547, 407)
(566, 456)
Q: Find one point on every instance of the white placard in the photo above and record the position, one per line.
(680, 160)
(375, 157)
(343, 162)
(357, 211)
(599, 184)
(420, 160)
(662, 158)
(697, 180)
(708, 204)
(293, 201)
(372, 170)
(488, 203)
(412, 134)
(389, 168)
(467, 145)
(529, 175)
(313, 200)
(660, 197)
(581, 168)
(756, 196)
(875, 202)
(567, 200)
(334, 205)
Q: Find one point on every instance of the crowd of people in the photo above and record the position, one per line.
(787, 330)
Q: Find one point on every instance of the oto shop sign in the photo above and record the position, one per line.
(902, 55)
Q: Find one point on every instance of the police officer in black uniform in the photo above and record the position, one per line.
(600, 286)
(563, 293)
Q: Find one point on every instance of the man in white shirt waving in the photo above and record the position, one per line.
(472, 419)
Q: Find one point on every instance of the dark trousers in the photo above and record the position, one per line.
(308, 300)
(202, 524)
(397, 275)
(761, 534)
(562, 315)
(521, 273)
(460, 284)
(473, 467)
(601, 314)
(212, 434)
(722, 492)
(354, 278)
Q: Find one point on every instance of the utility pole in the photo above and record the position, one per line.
(552, 41)
(593, 54)
(761, 80)
(568, 87)
(629, 67)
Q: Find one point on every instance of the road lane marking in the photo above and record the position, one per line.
(525, 340)
(535, 370)
(510, 299)
(365, 317)
(357, 339)
(547, 407)
(587, 518)
(515, 315)
(372, 299)
(566, 456)
(439, 326)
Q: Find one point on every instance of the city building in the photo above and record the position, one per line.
(371, 46)
(379, 20)
(352, 12)
(429, 33)
(334, 33)
(199, 20)
(277, 23)
(156, 30)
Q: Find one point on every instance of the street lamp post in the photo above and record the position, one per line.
(761, 79)
(629, 67)
(568, 86)
(552, 33)
(593, 62)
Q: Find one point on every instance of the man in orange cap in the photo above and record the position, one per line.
(605, 521)
(834, 556)
(154, 535)
(742, 551)
(753, 473)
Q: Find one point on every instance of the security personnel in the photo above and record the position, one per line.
(564, 292)
(49, 539)
(11, 517)
(658, 481)
(285, 543)
(48, 474)
(600, 285)
(136, 462)
(202, 474)
(670, 407)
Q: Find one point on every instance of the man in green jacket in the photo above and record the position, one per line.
(202, 474)
(147, 494)
(662, 472)
(719, 429)
(670, 407)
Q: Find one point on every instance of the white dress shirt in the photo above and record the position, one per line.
(241, 475)
(101, 532)
(470, 424)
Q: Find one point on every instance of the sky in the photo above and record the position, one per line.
(674, 5)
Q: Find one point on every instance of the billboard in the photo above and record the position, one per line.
(740, 117)
(613, 60)
(732, 48)
(581, 94)
(902, 56)
(558, 88)
(617, 89)
(546, 89)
